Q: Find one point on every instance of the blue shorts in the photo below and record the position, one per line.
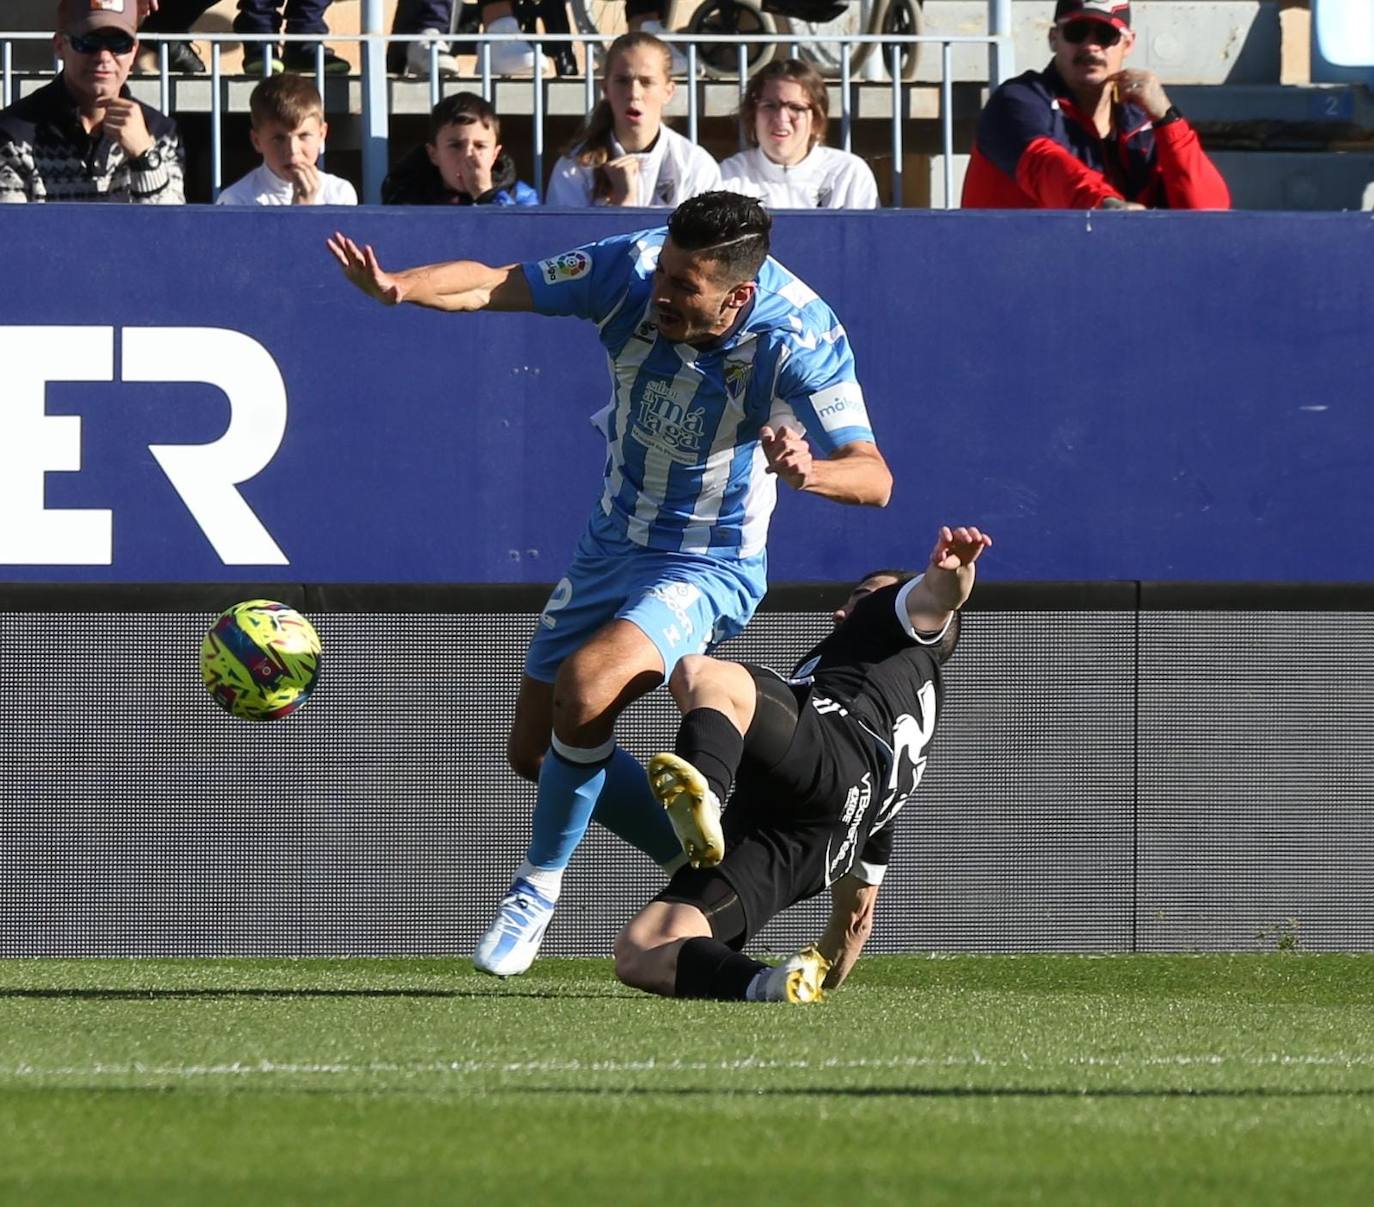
(683, 602)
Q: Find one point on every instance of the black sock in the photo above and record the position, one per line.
(709, 741)
(708, 968)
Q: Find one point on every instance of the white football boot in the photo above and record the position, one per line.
(510, 945)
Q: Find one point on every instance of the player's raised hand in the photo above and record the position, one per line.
(957, 547)
(789, 456)
(360, 266)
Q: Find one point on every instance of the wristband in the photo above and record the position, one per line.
(1171, 115)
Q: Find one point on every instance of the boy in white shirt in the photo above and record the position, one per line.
(288, 132)
(788, 165)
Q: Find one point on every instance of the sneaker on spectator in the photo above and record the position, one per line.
(679, 59)
(182, 59)
(253, 55)
(417, 57)
(564, 61)
(300, 58)
(514, 58)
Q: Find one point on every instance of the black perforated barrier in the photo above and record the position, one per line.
(1119, 767)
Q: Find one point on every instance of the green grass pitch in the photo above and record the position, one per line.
(968, 1080)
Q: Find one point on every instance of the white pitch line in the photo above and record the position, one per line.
(745, 1065)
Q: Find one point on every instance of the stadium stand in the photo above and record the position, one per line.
(1290, 125)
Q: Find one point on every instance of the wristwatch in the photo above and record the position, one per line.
(1171, 114)
(149, 161)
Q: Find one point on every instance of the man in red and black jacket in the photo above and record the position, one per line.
(1086, 133)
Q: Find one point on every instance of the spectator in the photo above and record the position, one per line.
(1088, 133)
(174, 17)
(288, 132)
(300, 17)
(83, 137)
(433, 18)
(510, 58)
(788, 166)
(462, 164)
(624, 154)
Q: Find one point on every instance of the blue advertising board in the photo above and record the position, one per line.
(198, 395)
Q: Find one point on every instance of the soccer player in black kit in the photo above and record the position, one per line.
(820, 762)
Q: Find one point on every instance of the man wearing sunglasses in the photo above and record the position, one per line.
(1089, 132)
(83, 137)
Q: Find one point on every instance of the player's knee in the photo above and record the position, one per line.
(581, 700)
(687, 678)
(629, 960)
(524, 764)
(525, 752)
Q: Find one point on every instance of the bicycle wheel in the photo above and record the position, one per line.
(892, 17)
(824, 56)
(604, 17)
(886, 16)
(720, 60)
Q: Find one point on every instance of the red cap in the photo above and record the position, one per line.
(1113, 12)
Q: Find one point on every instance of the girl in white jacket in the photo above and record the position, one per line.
(788, 165)
(624, 154)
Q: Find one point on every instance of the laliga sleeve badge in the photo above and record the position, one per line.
(568, 267)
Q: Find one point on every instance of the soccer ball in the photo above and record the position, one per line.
(260, 660)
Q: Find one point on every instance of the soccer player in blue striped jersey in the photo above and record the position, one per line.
(725, 370)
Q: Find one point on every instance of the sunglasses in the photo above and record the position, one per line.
(1097, 32)
(116, 44)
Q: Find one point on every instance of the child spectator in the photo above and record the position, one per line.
(461, 164)
(624, 154)
(788, 166)
(288, 132)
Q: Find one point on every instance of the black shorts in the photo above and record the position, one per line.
(795, 817)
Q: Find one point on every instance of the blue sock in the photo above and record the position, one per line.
(629, 810)
(567, 794)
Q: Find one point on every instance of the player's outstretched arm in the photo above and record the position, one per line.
(948, 580)
(850, 924)
(455, 285)
(856, 473)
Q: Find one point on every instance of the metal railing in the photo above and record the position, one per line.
(375, 109)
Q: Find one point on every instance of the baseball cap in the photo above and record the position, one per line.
(85, 16)
(1114, 12)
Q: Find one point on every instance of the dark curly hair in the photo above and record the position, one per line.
(733, 228)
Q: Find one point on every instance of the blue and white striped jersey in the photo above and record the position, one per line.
(684, 469)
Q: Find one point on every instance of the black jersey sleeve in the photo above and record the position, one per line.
(872, 862)
(872, 632)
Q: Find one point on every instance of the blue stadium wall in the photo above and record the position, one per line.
(1142, 749)
(1117, 397)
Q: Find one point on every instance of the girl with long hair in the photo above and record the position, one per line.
(624, 154)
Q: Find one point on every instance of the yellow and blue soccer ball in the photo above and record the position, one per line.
(260, 660)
